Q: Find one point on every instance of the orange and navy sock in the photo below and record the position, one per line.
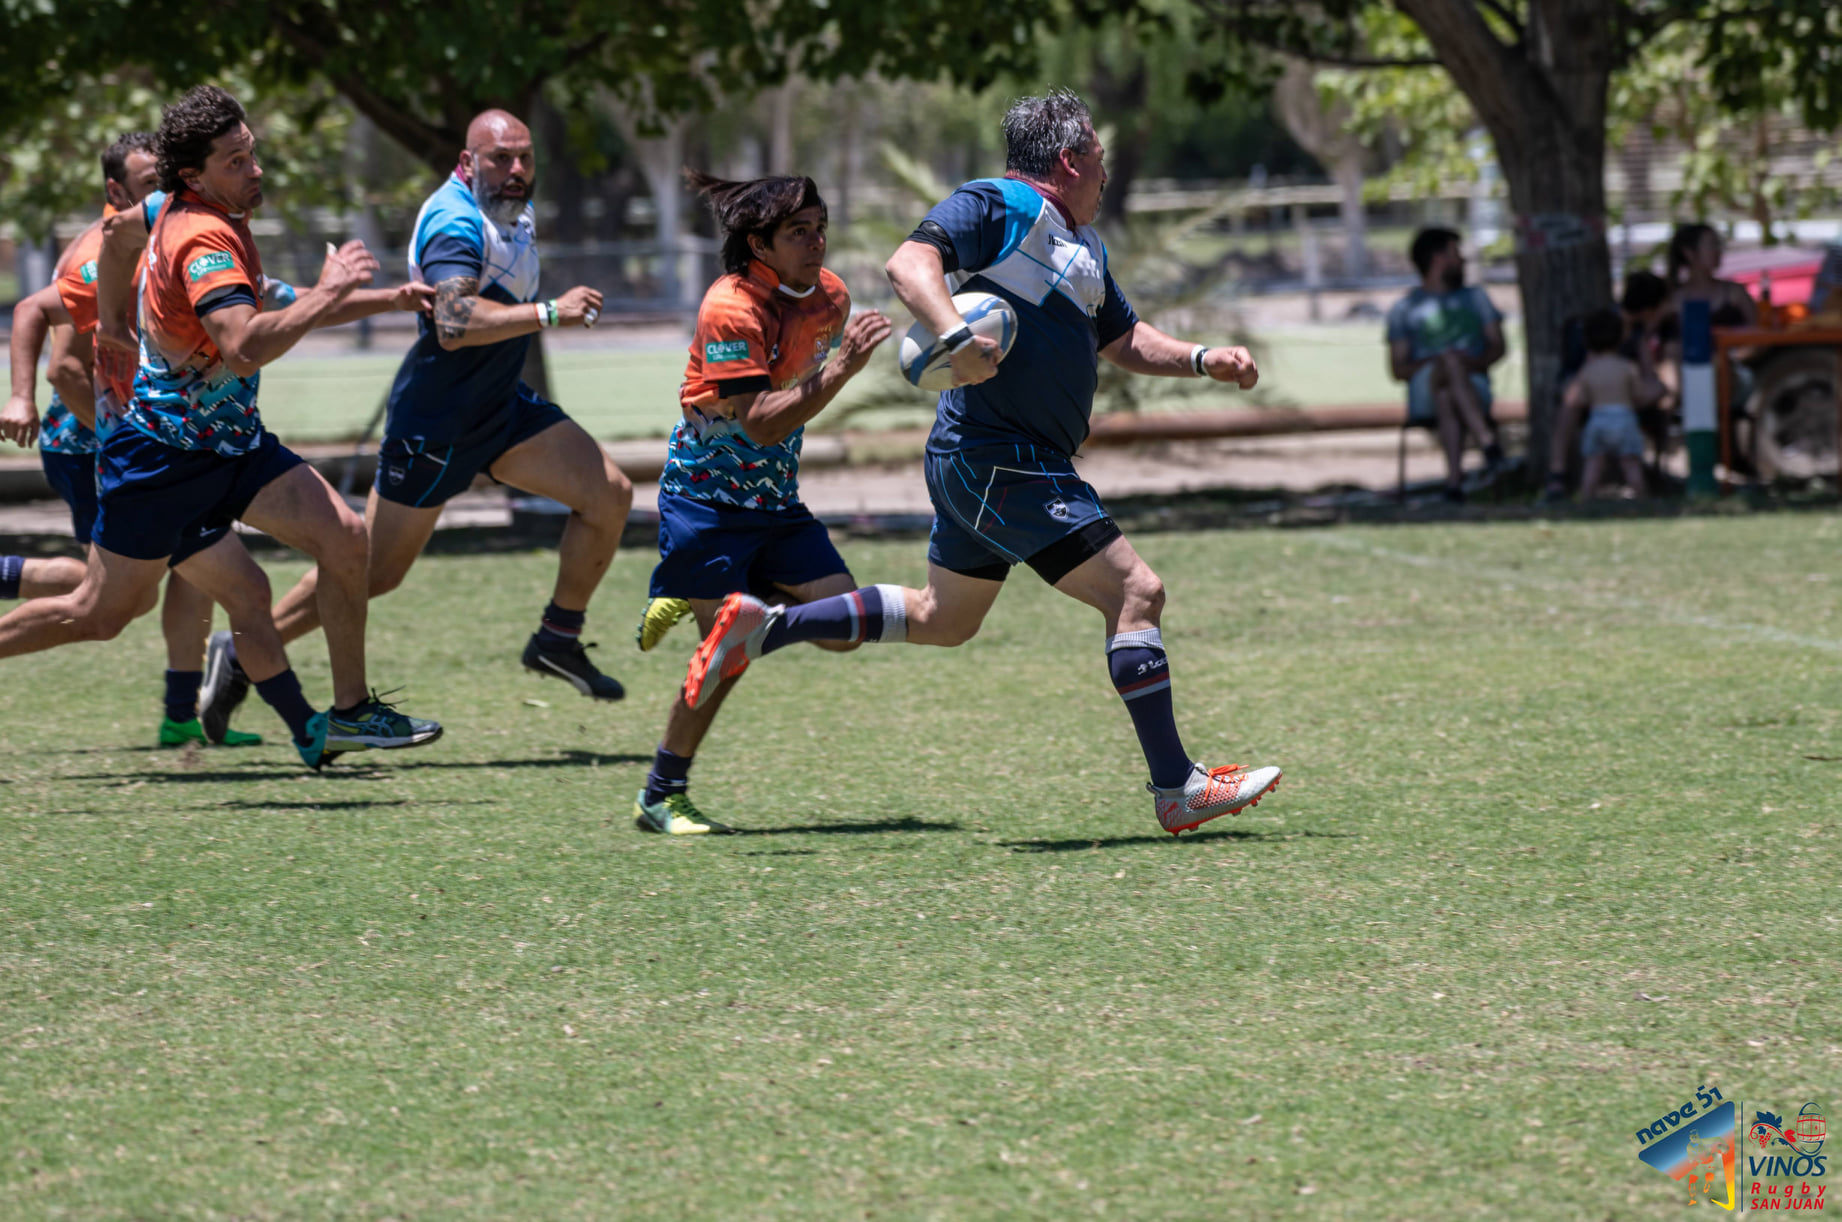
(559, 629)
(1141, 675)
(874, 613)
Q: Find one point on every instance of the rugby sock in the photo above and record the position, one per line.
(671, 773)
(1141, 674)
(283, 694)
(182, 694)
(12, 568)
(874, 613)
(559, 628)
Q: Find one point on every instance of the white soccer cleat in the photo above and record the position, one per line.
(1210, 793)
(735, 640)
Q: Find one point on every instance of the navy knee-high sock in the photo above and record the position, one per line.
(1141, 674)
(874, 613)
(182, 694)
(12, 568)
(283, 694)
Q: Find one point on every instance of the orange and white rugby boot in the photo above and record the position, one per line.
(735, 640)
(1210, 793)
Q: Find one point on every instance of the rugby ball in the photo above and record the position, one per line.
(928, 365)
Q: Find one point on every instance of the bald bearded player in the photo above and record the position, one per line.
(458, 407)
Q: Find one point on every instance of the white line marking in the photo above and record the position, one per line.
(1661, 611)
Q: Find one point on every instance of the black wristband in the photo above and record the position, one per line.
(956, 340)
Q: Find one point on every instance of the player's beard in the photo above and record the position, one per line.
(499, 208)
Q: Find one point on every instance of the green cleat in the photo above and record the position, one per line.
(179, 733)
(676, 816)
(658, 619)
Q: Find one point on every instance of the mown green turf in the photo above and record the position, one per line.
(1556, 846)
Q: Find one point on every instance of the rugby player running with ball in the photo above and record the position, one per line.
(999, 461)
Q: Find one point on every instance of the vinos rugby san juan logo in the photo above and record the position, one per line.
(1709, 1147)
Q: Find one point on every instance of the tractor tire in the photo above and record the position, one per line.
(1793, 410)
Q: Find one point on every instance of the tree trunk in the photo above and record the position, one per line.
(1120, 98)
(780, 128)
(1543, 100)
(1349, 174)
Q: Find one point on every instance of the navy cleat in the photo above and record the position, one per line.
(225, 687)
(570, 662)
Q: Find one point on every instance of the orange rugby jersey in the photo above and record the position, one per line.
(61, 432)
(76, 283)
(752, 331)
(184, 394)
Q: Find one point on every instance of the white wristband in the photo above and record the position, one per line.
(543, 318)
(1196, 355)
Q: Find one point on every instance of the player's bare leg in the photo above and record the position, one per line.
(301, 510)
(114, 591)
(230, 576)
(185, 622)
(1129, 596)
(226, 574)
(685, 727)
(397, 534)
(39, 576)
(567, 465)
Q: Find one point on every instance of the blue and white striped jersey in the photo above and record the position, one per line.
(1000, 235)
(441, 396)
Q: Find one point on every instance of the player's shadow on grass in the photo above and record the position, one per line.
(1124, 842)
(862, 828)
(360, 769)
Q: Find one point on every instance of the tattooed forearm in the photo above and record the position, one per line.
(455, 300)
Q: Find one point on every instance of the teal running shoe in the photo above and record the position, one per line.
(376, 725)
(313, 752)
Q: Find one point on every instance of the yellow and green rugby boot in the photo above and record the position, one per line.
(659, 617)
(675, 815)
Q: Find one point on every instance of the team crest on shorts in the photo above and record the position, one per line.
(394, 475)
(1058, 508)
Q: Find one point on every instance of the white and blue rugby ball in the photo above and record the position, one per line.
(928, 365)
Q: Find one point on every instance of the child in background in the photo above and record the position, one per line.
(1610, 385)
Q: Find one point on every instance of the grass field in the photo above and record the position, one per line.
(1557, 845)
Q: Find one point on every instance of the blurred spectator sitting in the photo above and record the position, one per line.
(1443, 337)
(1611, 386)
(1641, 308)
